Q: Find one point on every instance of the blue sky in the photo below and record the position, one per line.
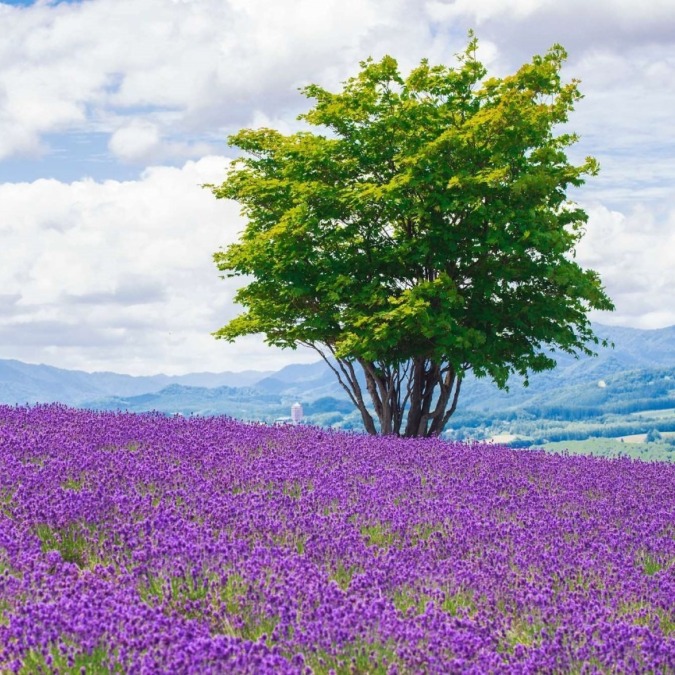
(114, 112)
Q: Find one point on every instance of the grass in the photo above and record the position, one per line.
(406, 599)
(357, 658)
(458, 602)
(615, 447)
(73, 662)
(343, 574)
(650, 564)
(6, 498)
(523, 631)
(658, 413)
(74, 484)
(73, 542)
(379, 534)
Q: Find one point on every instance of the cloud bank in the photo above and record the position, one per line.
(118, 275)
(114, 271)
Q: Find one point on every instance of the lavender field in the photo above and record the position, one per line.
(147, 544)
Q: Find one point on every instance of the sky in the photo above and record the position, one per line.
(114, 113)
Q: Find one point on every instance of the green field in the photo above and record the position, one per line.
(615, 447)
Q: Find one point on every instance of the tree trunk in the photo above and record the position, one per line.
(396, 390)
(347, 378)
(425, 380)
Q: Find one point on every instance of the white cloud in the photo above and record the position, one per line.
(138, 139)
(482, 10)
(116, 274)
(607, 21)
(158, 73)
(119, 275)
(150, 72)
(633, 252)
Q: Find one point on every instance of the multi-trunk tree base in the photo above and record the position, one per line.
(416, 398)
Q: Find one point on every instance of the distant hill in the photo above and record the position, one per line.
(298, 380)
(266, 396)
(634, 349)
(28, 383)
(241, 402)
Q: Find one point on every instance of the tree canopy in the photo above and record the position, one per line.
(422, 233)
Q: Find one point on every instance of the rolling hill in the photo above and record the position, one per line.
(606, 383)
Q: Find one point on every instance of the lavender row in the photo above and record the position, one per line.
(147, 544)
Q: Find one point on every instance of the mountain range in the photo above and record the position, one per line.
(263, 395)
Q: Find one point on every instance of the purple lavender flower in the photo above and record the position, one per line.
(140, 543)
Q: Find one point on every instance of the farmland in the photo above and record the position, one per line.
(143, 543)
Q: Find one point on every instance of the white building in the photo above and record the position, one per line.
(296, 413)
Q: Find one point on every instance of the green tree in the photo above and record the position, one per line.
(653, 436)
(425, 233)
